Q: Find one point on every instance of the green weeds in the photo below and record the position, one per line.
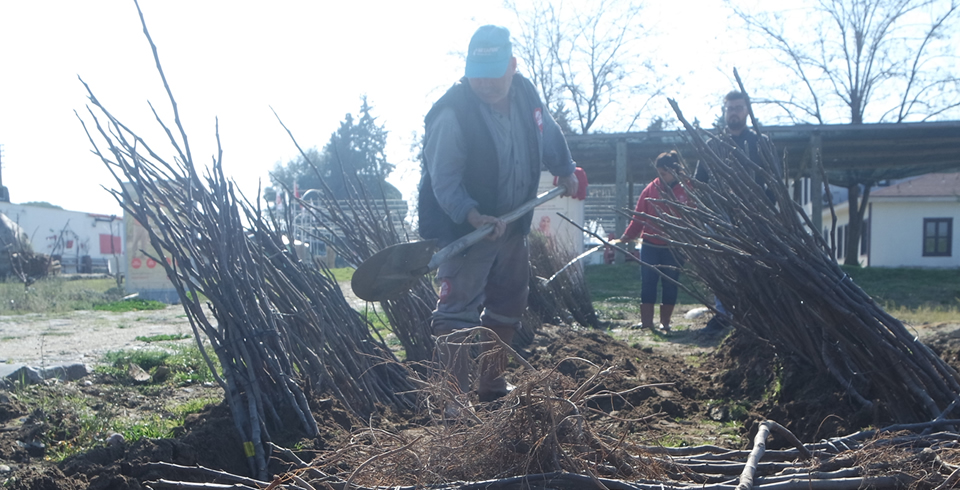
(76, 422)
(134, 304)
(775, 388)
(671, 440)
(155, 426)
(694, 360)
(163, 337)
(185, 363)
(196, 405)
(75, 427)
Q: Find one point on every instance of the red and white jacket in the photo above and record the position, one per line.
(644, 227)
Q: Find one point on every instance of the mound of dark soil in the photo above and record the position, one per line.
(658, 396)
(810, 404)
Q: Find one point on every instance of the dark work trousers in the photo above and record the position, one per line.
(491, 275)
(663, 258)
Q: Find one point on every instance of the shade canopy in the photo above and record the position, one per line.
(865, 152)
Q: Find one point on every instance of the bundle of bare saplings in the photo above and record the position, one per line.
(357, 226)
(757, 251)
(281, 328)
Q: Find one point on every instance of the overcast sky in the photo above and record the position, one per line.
(233, 60)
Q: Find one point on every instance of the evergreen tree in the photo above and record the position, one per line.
(354, 154)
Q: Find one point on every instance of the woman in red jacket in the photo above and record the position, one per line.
(655, 250)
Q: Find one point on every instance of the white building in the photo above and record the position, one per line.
(908, 223)
(85, 242)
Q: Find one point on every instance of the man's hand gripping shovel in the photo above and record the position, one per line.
(395, 269)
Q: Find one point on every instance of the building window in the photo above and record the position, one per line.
(937, 237)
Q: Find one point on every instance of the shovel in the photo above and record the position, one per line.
(397, 268)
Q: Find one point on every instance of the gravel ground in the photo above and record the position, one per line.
(44, 340)
(82, 336)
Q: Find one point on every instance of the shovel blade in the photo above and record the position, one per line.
(393, 270)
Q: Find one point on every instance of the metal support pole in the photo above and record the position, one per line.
(816, 182)
(621, 191)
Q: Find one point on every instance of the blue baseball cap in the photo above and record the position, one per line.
(489, 53)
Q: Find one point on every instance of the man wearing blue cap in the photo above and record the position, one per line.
(486, 141)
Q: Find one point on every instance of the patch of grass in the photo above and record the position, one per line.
(343, 274)
(76, 423)
(924, 314)
(185, 362)
(70, 425)
(56, 295)
(617, 308)
(913, 295)
(188, 366)
(694, 360)
(671, 441)
(145, 358)
(91, 427)
(608, 281)
(622, 281)
(775, 388)
(737, 410)
(163, 337)
(133, 304)
(377, 319)
(154, 427)
(196, 405)
(909, 287)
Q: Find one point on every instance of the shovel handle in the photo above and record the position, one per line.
(475, 236)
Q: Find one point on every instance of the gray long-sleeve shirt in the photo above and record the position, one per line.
(444, 149)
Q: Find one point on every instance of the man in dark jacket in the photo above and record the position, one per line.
(736, 109)
(486, 141)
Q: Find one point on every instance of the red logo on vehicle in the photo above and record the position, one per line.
(151, 263)
(444, 289)
(135, 263)
(538, 117)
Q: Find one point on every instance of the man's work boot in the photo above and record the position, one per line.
(646, 315)
(455, 360)
(493, 363)
(716, 325)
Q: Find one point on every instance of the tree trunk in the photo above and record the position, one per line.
(858, 207)
(852, 250)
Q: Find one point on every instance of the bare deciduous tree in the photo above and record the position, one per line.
(586, 60)
(855, 61)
